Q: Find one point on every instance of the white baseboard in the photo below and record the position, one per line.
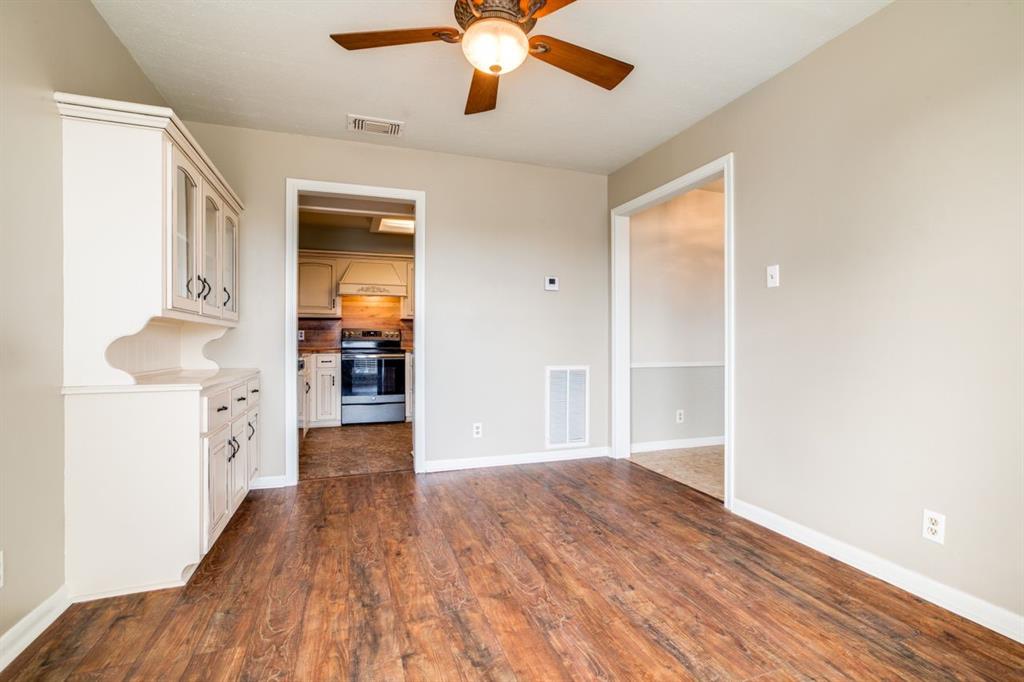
(264, 482)
(973, 608)
(655, 445)
(506, 460)
(22, 633)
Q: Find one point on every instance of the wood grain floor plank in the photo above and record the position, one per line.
(594, 569)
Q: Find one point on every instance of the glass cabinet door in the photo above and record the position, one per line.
(186, 287)
(212, 295)
(229, 278)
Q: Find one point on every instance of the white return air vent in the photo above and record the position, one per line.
(377, 126)
(568, 406)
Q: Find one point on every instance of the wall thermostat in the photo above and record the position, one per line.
(550, 283)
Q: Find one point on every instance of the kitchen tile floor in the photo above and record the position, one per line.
(699, 468)
(350, 450)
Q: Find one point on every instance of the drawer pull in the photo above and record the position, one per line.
(222, 408)
(255, 390)
(238, 400)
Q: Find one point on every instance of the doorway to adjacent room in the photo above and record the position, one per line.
(354, 305)
(672, 330)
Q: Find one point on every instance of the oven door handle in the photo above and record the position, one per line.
(362, 356)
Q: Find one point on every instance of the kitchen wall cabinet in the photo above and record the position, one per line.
(318, 287)
(321, 275)
(409, 300)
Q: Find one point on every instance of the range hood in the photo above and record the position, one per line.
(372, 278)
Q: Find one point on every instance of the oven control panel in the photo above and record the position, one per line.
(371, 334)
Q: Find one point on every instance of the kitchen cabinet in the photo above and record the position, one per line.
(318, 287)
(409, 300)
(325, 406)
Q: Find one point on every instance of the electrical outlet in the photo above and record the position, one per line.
(680, 416)
(302, 335)
(478, 430)
(934, 527)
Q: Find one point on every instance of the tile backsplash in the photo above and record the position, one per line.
(358, 312)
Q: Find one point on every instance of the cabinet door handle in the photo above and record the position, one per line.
(207, 288)
(332, 380)
(255, 390)
(222, 408)
(252, 431)
(240, 399)
(188, 287)
(307, 387)
(228, 294)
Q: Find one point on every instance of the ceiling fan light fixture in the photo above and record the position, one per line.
(495, 46)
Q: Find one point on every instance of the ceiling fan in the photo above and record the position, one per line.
(495, 43)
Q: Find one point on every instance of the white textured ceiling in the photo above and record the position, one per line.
(272, 65)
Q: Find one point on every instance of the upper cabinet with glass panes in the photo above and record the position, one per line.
(177, 199)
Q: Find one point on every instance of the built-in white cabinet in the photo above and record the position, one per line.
(231, 447)
(252, 439)
(158, 449)
(318, 287)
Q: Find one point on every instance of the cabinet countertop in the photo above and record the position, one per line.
(173, 380)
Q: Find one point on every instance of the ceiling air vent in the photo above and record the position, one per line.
(377, 126)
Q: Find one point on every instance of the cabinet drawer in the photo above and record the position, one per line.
(239, 400)
(218, 410)
(254, 391)
(330, 360)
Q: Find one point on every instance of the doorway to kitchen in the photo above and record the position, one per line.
(354, 296)
(672, 330)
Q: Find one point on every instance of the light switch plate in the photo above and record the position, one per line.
(771, 276)
(550, 283)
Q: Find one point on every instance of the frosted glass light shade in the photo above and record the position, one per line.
(495, 45)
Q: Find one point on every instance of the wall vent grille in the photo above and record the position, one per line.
(568, 406)
(377, 126)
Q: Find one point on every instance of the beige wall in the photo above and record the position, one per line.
(44, 46)
(494, 230)
(677, 280)
(883, 173)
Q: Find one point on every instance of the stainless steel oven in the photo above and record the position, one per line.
(372, 376)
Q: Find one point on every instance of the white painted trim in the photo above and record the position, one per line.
(676, 444)
(265, 482)
(984, 613)
(666, 365)
(547, 406)
(32, 624)
(508, 460)
(292, 188)
(620, 314)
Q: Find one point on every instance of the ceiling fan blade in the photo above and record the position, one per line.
(404, 36)
(483, 93)
(549, 7)
(595, 67)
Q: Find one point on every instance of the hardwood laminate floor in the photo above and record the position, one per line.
(594, 569)
(357, 449)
